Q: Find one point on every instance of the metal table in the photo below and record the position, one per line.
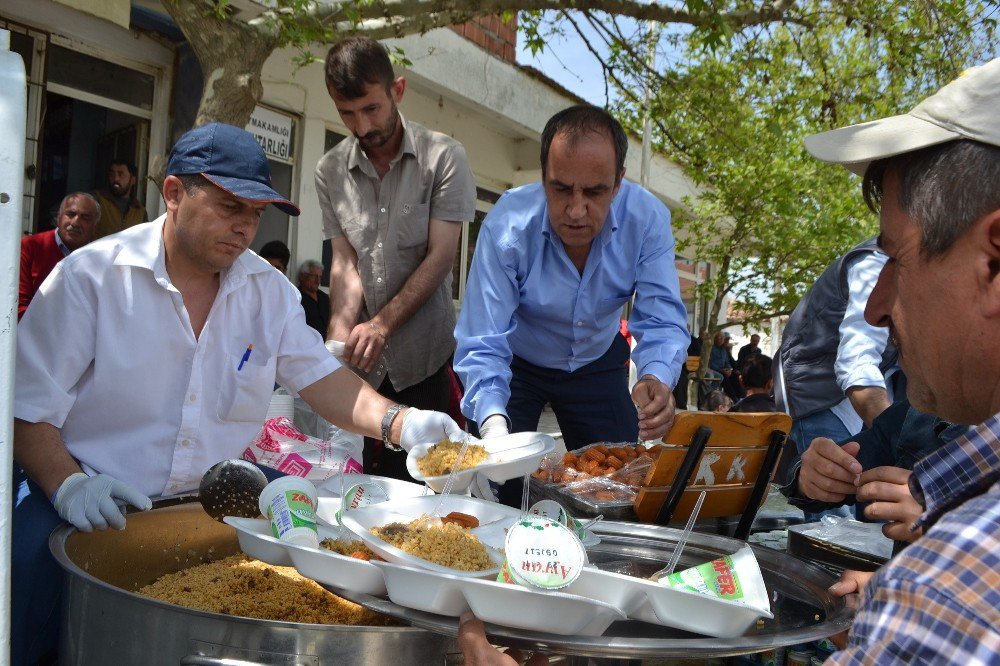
(803, 609)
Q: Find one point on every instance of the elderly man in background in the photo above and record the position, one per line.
(934, 175)
(119, 207)
(126, 388)
(79, 214)
(315, 303)
(393, 197)
(554, 264)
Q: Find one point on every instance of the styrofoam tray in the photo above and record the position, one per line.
(508, 457)
(340, 571)
(329, 492)
(257, 541)
(490, 515)
(648, 601)
(497, 603)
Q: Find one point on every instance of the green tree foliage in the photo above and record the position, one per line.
(773, 217)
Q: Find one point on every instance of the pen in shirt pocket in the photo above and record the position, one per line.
(246, 357)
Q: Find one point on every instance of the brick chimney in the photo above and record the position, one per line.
(493, 34)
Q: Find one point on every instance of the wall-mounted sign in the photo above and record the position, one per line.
(273, 132)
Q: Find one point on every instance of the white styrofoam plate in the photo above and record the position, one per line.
(330, 492)
(508, 457)
(257, 541)
(362, 519)
(497, 603)
(648, 601)
(340, 571)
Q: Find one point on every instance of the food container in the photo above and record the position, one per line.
(104, 621)
(509, 457)
(500, 603)
(492, 519)
(541, 553)
(330, 492)
(289, 503)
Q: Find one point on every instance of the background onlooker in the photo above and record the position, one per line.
(717, 401)
(758, 383)
(119, 207)
(315, 303)
(79, 215)
(277, 254)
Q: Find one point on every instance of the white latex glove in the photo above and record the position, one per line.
(422, 426)
(495, 425)
(482, 489)
(336, 348)
(88, 502)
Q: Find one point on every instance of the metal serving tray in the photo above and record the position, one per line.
(803, 609)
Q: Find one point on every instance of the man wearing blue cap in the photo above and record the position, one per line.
(150, 355)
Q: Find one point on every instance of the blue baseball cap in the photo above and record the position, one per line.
(231, 159)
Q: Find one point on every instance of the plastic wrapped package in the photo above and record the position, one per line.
(282, 446)
(599, 478)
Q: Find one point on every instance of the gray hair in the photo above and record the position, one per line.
(944, 188)
(77, 195)
(308, 265)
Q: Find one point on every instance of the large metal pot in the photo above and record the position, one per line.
(106, 622)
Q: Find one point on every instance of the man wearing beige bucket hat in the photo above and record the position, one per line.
(934, 176)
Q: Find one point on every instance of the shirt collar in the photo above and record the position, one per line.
(358, 159)
(147, 252)
(962, 468)
(61, 245)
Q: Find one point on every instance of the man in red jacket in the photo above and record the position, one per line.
(78, 216)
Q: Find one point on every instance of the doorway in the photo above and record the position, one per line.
(79, 140)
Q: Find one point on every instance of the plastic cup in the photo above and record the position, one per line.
(734, 577)
(556, 511)
(541, 553)
(289, 504)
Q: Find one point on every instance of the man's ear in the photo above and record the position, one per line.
(618, 182)
(173, 190)
(989, 265)
(398, 88)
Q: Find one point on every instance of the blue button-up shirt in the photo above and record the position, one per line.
(526, 297)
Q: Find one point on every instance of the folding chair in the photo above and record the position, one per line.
(731, 456)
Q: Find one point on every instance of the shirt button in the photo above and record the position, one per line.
(378, 280)
(381, 210)
(579, 323)
(192, 397)
(185, 442)
(379, 244)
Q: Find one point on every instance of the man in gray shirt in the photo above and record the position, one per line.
(393, 199)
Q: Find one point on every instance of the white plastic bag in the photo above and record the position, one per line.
(282, 446)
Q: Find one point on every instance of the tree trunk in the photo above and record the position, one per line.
(231, 54)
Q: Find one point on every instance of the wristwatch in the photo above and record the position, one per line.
(387, 420)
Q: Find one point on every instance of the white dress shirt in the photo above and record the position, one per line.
(861, 344)
(108, 355)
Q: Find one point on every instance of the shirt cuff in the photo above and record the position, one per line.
(488, 404)
(661, 371)
(862, 375)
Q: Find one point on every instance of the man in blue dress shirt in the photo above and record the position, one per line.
(555, 262)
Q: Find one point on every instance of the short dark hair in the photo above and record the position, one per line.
(133, 171)
(275, 250)
(757, 372)
(716, 399)
(192, 182)
(580, 119)
(945, 188)
(355, 63)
